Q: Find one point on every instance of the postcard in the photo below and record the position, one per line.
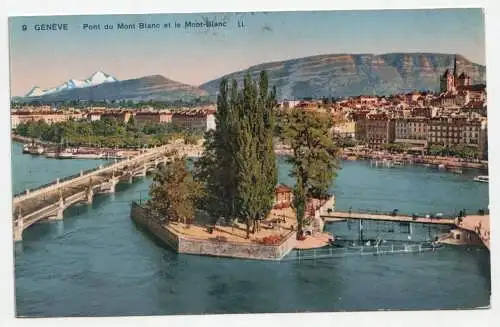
(253, 162)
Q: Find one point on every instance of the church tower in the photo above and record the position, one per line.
(448, 81)
(455, 72)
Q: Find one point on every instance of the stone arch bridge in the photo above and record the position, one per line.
(48, 202)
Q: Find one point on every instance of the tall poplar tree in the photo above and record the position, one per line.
(216, 167)
(239, 165)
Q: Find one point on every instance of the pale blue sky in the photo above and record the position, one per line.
(194, 56)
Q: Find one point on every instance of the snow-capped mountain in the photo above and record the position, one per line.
(35, 92)
(96, 79)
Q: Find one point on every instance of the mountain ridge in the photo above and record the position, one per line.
(316, 76)
(97, 78)
(151, 87)
(344, 74)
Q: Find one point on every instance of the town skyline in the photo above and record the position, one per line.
(265, 38)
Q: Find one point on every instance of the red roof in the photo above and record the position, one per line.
(282, 188)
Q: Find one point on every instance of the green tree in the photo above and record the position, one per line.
(174, 193)
(131, 125)
(266, 115)
(216, 167)
(239, 165)
(315, 156)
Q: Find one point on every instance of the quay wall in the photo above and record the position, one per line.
(28, 140)
(140, 216)
(190, 245)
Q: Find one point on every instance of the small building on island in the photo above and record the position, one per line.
(283, 196)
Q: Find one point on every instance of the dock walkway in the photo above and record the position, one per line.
(480, 224)
(336, 215)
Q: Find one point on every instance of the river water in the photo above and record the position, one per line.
(96, 262)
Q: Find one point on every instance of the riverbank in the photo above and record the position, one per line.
(28, 140)
(393, 160)
(410, 159)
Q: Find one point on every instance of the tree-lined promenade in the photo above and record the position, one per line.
(235, 179)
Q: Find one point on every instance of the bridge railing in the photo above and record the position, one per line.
(397, 212)
(84, 172)
(36, 188)
(96, 171)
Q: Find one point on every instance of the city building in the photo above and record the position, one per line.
(418, 128)
(345, 129)
(375, 130)
(197, 119)
(49, 117)
(360, 125)
(401, 129)
(94, 115)
(288, 104)
(470, 132)
(160, 117)
(119, 115)
(483, 140)
(445, 131)
(412, 132)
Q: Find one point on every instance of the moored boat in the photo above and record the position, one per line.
(94, 155)
(481, 179)
(50, 154)
(35, 150)
(39, 150)
(65, 155)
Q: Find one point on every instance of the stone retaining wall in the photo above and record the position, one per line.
(140, 216)
(188, 245)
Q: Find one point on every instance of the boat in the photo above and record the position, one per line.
(65, 155)
(481, 179)
(88, 155)
(26, 148)
(35, 150)
(39, 150)
(441, 166)
(50, 154)
(457, 170)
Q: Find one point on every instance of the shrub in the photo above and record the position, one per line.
(271, 240)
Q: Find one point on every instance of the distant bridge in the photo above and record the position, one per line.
(49, 201)
(478, 224)
(336, 215)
